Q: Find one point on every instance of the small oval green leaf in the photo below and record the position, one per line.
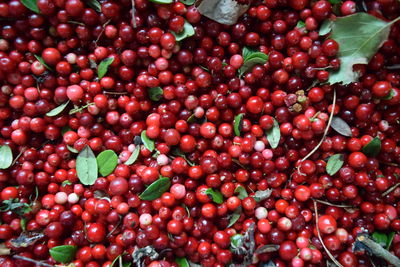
(187, 31)
(241, 191)
(215, 195)
(340, 126)
(72, 149)
(156, 189)
(41, 60)
(380, 238)
(86, 166)
(334, 164)
(274, 135)
(57, 110)
(237, 124)
(107, 161)
(31, 4)
(63, 254)
(300, 24)
(147, 142)
(156, 93)
(235, 217)
(188, 2)
(94, 4)
(162, 1)
(182, 262)
(262, 194)
(6, 157)
(134, 156)
(326, 27)
(373, 148)
(103, 66)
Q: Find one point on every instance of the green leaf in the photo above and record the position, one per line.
(63, 254)
(335, 2)
(326, 27)
(86, 166)
(247, 51)
(257, 58)
(65, 129)
(237, 124)
(127, 264)
(156, 189)
(107, 161)
(66, 182)
(389, 96)
(6, 157)
(187, 31)
(215, 195)
(359, 37)
(103, 66)
(57, 110)
(182, 262)
(274, 135)
(188, 2)
(147, 142)
(31, 4)
(156, 93)
(72, 149)
(162, 1)
(334, 164)
(94, 4)
(300, 24)
(262, 194)
(79, 109)
(390, 238)
(14, 205)
(235, 217)
(373, 148)
(236, 240)
(340, 126)
(41, 60)
(22, 223)
(242, 192)
(380, 238)
(134, 156)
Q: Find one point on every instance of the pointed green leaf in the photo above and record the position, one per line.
(134, 156)
(86, 166)
(326, 27)
(359, 37)
(257, 58)
(300, 24)
(274, 135)
(188, 2)
(94, 4)
(147, 142)
(6, 157)
(340, 126)
(156, 189)
(390, 238)
(107, 161)
(334, 164)
(235, 217)
(389, 96)
(41, 60)
(215, 195)
(31, 4)
(187, 31)
(72, 149)
(156, 93)
(262, 194)
(380, 238)
(103, 66)
(57, 110)
(63, 254)
(182, 262)
(237, 124)
(373, 148)
(242, 192)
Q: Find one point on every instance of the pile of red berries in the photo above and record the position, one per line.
(236, 144)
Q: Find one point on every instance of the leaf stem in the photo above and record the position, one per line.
(133, 14)
(378, 250)
(39, 263)
(332, 204)
(320, 238)
(326, 129)
(390, 190)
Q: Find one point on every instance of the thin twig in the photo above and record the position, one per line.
(390, 190)
(18, 156)
(102, 30)
(389, 163)
(133, 14)
(326, 129)
(377, 250)
(332, 204)
(39, 263)
(115, 93)
(320, 238)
